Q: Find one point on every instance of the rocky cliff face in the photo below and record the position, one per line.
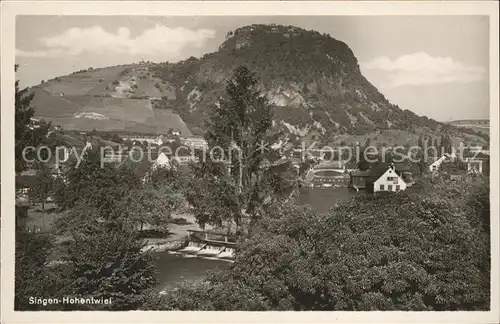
(313, 79)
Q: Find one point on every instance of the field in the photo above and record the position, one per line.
(146, 86)
(477, 128)
(80, 84)
(47, 105)
(380, 138)
(396, 137)
(481, 129)
(478, 125)
(133, 110)
(166, 119)
(92, 100)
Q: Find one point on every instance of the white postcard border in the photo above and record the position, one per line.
(246, 8)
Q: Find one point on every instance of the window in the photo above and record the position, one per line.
(389, 178)
(381, 187)
(398, 187)
(396, 180)
(389, 188)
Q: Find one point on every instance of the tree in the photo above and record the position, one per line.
(422, 165)
(128, 143)
(100, 187)
(446, 143)
(363, 164)
(44, 184)
(420, 142)
(365, 254)
(116, 138)
(162, 176)
(31, 275)
(151, 206)
(105, 261)
(26, 134)
(244, 174)
(436, 145)
(104, 256)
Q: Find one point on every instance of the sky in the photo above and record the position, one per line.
(436, 66)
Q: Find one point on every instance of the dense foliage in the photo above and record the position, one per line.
(32, 278)
(241, 173)
(43, 186)
(102, 255)
(26, 134)
(105, 261)
(425, 249)
(407, 251)
(101, 186)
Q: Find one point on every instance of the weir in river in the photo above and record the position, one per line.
(176, 266)
(209, 244)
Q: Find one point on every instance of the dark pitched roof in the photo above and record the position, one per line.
(25, 181)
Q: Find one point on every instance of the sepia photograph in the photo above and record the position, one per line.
(252, 162)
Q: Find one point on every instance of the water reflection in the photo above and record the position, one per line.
(322, 200)
(174, 269)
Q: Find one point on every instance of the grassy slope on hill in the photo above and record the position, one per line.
(313, 79)
(90, 100)
(478, 125)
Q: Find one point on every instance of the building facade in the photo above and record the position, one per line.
(389, 181)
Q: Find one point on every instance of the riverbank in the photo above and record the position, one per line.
(177, 234)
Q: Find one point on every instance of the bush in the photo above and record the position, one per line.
(404, 251)
(31, 276)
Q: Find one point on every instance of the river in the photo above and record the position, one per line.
(322, 199)
(174, 269)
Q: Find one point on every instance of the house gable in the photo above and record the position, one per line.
(389, 181)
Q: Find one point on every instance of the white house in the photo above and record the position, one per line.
(184, 159)
(88, 146)
(389, 181)
(194, 142)
(474, 166)
(434, 166)
(158, 140)
(162, 161)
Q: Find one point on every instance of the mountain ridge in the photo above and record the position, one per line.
(313, 80)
